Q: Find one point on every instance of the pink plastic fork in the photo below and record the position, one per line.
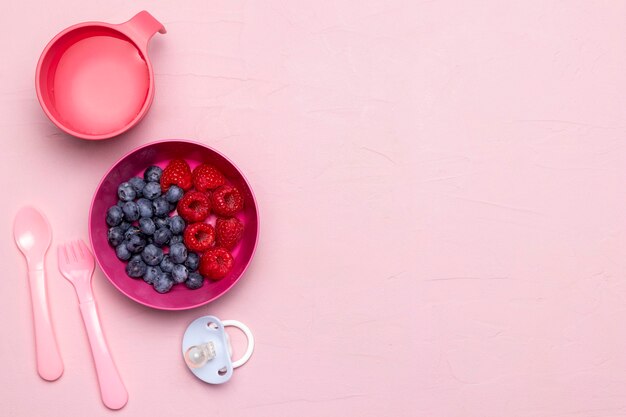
(76, 263)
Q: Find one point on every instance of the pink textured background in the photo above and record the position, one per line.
(441, 186)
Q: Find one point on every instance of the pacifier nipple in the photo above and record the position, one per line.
(198, 356)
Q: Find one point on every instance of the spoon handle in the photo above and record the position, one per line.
(49, 363)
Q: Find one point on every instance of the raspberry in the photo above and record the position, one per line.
(206, 177)
(177, 172)
(227, 201)
(199, 237)
(228, 232)
(194, 206)
(216, 263)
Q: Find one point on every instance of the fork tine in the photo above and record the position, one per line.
(77, 251)
(80, 248)
(70, 252)
(84, 249)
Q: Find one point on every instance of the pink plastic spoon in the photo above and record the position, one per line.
(33, 235)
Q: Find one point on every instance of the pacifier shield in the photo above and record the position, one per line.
(207, 351)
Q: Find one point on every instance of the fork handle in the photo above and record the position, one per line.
(112, 389)
(49, 363)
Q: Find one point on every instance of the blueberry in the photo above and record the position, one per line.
(132, 230)
(166, 264)
(124, 226)
(136, 243)
(178, 253)
(152, 255)
(115, 215)
(115, 236)
(131, 211)
(145, 207)
(126, 192)
(162, 236)
(163, 283)
(176, 224)
(147, 226)
(135, 268)
(176, 239)
(122, 252)
(194, 281)
(160, 222)
(153, 173)
(174, 194)
(137, 183)
(161, 207)
(192, 262)
(179, 273)
(152, 190)
(120, 203)
(152, 272)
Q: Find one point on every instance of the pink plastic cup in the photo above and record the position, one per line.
(133, 164)
(94, 80)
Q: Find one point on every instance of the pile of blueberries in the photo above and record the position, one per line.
(143, 233)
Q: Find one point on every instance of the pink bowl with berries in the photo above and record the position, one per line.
(132, 272)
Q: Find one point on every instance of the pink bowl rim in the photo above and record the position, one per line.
(256, 210)
(140, 115)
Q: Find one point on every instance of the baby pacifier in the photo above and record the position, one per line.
(207, 351)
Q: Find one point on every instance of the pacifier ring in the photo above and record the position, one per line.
(246, 331)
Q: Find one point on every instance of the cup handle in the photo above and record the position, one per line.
(141, 27)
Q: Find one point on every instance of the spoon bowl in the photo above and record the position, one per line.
(32, 233)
